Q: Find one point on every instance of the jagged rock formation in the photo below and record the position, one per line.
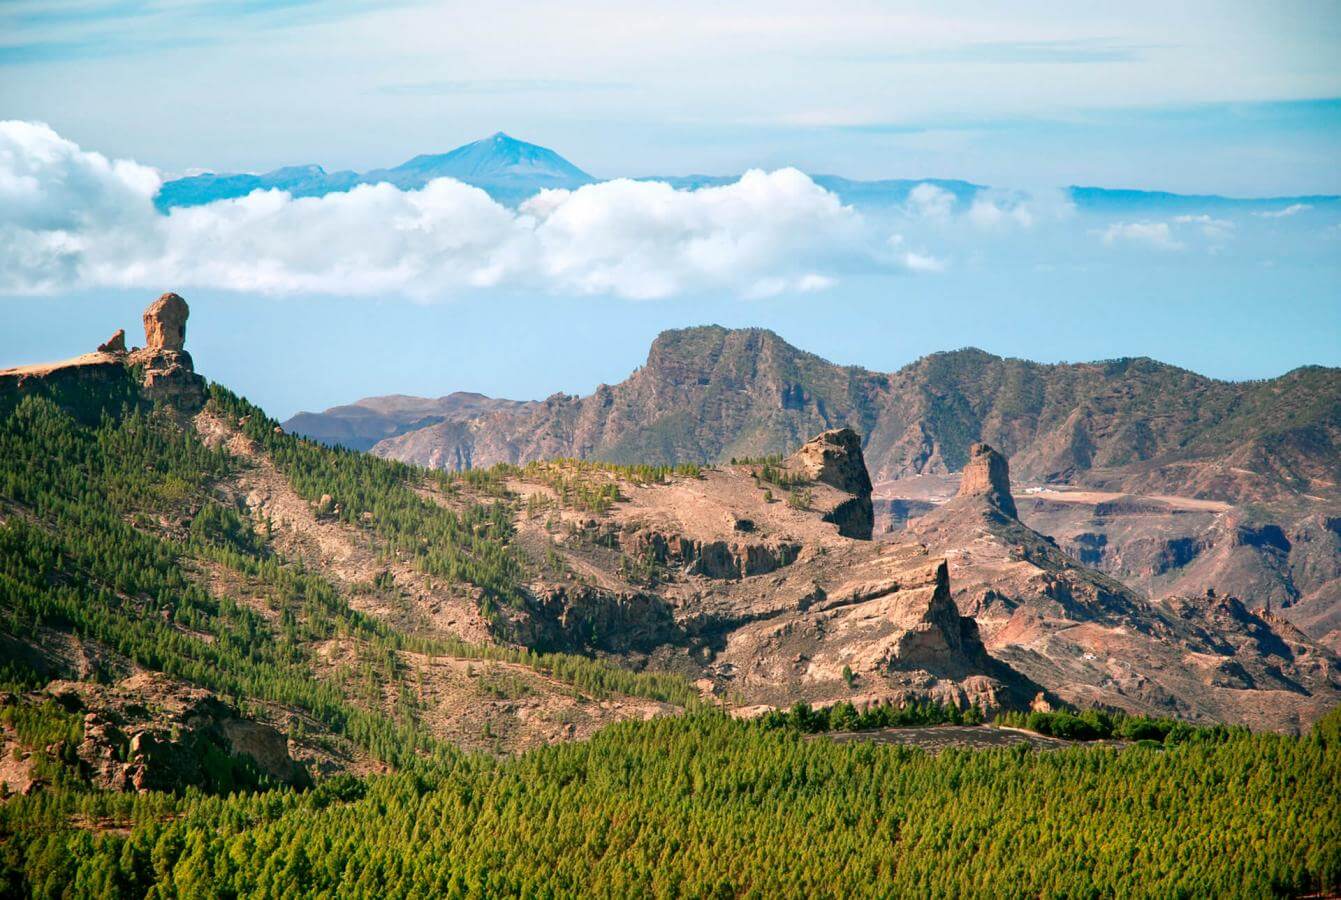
(987, 475)
(167, 373)
(165, 323)
(1093, 640)
(1158, 436)
(766, 600)
(114, 344)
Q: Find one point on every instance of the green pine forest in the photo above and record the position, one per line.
(705, 806)
(695, 805)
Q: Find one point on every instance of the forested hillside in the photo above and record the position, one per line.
(115, 534)
(240, 663)
(706, 806)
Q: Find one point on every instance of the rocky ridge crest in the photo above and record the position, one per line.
(165, 370)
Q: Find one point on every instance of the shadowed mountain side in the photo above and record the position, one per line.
(710, 393)
(1093, 640)
(1196, 483)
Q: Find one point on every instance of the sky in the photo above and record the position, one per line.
(304, 304)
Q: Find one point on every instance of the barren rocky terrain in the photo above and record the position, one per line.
(316, 611)
(1167, 480)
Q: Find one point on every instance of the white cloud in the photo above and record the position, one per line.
(985, 213)
(70, 218)
(1152, 234)
(914, 260)
(995, 210)
(1292, 210)
(644, 239)
(922, 262)
(1215, 229)
(1170, 234)
(927, 201)
(59, 204)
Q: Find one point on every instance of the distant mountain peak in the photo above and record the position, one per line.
(508, 169)
(496, 157)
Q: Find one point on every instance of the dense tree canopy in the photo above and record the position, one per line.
(706, 806)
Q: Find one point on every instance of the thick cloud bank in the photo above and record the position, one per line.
(65, 213)
(71, 218)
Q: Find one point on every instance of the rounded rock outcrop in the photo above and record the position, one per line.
(165, 323)
(834, 458)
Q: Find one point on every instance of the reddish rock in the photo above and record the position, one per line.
(165, 323)
(987, 474)
(114, 344)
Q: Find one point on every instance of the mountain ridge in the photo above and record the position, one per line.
(1161, 477)
(678, 358)
(196, 598)
(494, 164)
(508, 169)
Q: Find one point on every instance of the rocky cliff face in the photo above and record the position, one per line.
(1131, 428)
(87, 384)
(707, 394)
(1094, 640)
(987, 475)
(148, 733)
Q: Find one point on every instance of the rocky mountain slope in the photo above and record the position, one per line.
(184, 603)
(759, 581)
(706, 394)
(193, 596)
(1170, 481)
(1095, 641)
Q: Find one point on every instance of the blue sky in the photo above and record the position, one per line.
(1227, 98)
(1192, 96)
